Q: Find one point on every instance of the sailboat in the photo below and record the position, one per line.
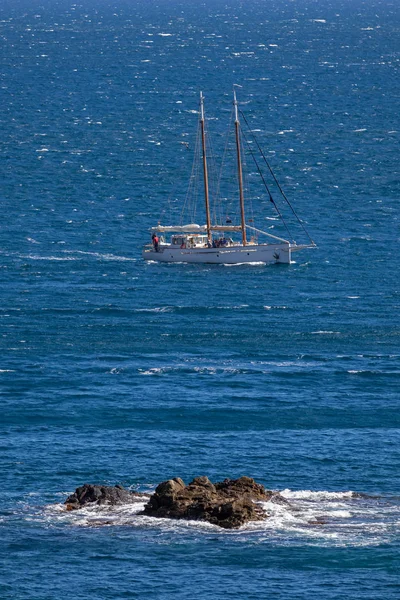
(214, 243)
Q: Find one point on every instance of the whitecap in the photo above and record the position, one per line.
(253, 264)
(325, 332)
(93, 515)
(344, 514)
(156, 309)
(315, 495)
(153, 371)
(227, 307)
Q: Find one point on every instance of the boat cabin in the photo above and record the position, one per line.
(189, 240)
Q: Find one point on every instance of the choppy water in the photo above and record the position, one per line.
(117, 371)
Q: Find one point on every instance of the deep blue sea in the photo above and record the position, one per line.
(114, 370)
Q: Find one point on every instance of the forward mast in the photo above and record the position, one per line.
(205, 169)
(210, 227)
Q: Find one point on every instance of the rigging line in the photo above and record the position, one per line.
(192, 186)
(195, 184)
(266, 186)
(246, 180)
(164, 210)
(208, 151)
(229, 204)
(277, 182)
(212, 169)
(218, 199)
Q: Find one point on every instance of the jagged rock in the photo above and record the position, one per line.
(101, 495)
(229, 503)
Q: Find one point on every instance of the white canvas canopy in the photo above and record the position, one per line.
(190, 228)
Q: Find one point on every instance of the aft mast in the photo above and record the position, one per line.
(205, 170)
(240, 172)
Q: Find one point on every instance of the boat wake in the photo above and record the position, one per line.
(101, 256)
(70, 255)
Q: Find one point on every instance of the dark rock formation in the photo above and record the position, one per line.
(229, 503)
(101, 495)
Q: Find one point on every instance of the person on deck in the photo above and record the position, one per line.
(155, 241)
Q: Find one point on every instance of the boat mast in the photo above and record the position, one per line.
(205, 171)
(240, 172)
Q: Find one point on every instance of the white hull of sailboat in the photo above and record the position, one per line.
(264, 253)
(190, 243)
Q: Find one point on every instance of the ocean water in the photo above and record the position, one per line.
(114, 370)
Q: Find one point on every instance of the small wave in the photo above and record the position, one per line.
(202, 370)
(152, 371)
(374, 373)
(322, 518)
(310, 495)
(344, 514)
(238, 307)
(322, 332)
(93, 515)
(157, 309)
(109, 257)
(189, 309)
(37, 257)
(250, 264)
